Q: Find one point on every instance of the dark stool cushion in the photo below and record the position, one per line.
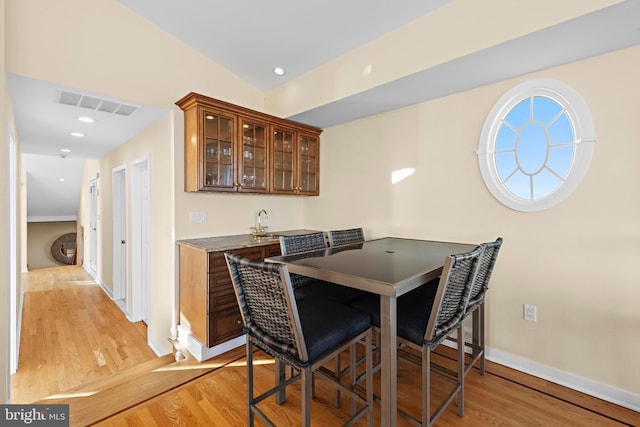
(428, 290)
(413, 314)
(326, 324)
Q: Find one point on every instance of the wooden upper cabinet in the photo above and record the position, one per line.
(232, 148)
(295, 162)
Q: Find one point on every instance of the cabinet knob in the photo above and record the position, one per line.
(239, 321)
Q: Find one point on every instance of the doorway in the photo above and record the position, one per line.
(119, 193)
(140, 237)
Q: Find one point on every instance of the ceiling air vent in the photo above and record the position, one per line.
(108, 106)
(94, 103)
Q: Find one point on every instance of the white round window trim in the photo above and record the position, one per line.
(580, 117)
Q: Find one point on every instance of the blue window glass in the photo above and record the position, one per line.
(506, 139)
(561, 130)
(545, 109)
(535, 147)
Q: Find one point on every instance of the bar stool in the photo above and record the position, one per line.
(297, 333)
(424, 323)
(475, 309)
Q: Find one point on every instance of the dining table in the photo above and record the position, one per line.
(389, 267)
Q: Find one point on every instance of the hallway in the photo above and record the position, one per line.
(72, 334)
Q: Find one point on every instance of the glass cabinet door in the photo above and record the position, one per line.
(283, 160)
(218, 150)
(308, 164)
(253, 156)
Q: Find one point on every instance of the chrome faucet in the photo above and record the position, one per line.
(260, 229)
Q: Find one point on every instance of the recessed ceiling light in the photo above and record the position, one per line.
(78, 134)
(65, 150)
(278, 71)
(61, 179)
(86, 119)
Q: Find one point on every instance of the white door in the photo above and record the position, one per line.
(93, 225)
(140, 249)
(119, 181)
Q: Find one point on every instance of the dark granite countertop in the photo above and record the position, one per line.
(224, 243)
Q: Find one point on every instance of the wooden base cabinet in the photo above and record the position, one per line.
(208, 306)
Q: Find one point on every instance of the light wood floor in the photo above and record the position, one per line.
(160, 392)
(502, 397)
(72, 334)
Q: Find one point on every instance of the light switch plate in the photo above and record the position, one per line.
(198, 217)
(530, 313)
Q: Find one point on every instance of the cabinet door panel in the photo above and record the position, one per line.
(218, 137)
(308, 164)
(283, 161)
(253, 159)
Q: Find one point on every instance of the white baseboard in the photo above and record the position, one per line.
(89, 270)
(123, 307)
(202, 352)
(584, 385)
(98, 281)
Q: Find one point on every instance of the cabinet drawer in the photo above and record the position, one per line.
(224, 326)
(272, 250)
(222, 300)
(218, 263)
(220, 280)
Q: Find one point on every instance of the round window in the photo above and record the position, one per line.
(536, 145)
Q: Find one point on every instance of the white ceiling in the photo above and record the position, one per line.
(298, 36)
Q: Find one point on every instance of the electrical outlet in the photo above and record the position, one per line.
(530, 313)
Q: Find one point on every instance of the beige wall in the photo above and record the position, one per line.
(575, 262)
(40, 237)
(155, 145)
